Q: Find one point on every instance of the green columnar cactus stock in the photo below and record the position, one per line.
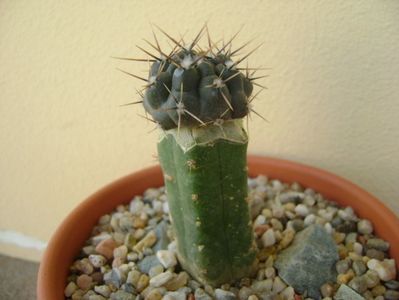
(198, 98)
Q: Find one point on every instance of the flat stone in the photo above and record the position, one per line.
(346, 293)
(309, 261)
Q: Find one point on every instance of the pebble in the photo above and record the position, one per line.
(167, 258)
(378, 290)
(391, 295)
(84, 281)
(359, 267)
(385, 269)
(244, 293)
(224, 295)
(155, 270)
(122, 295)
(142, 283)
(359, 284)
(154, 294)
(175, 296)
(253, 297)
(161, 279)
(310, 219)
(268, 238)
(364, 227)
(372, 278)
(342, 266)
(278, 285)
(106, 248)
(326, 290)
(376, 254)
(378, 244)
(358, 248)
(392, 284)
(302, 210)
(96, 297)
(146, 242)
(103, 290)
(177, 282)
(200, 294)
(70, 289)
(97, 260)
(288, 293)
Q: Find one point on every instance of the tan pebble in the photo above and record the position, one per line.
(342, 251)
(339, 237)
(139, 223)
(146, 242)
(70, 289)
(253, 297)
(106, 248)
(354, 256)
(117, 262)
(121, 252)
(155, 294)
(289, 206)
(179, 281)
(267, 213)
(133, 277)
(288, 236)
(378, 290)
(142, 283)
(97, 276)
(84, 282)
(345, 278)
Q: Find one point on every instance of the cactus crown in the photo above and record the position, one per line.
(193, 87)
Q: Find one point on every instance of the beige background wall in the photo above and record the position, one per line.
(333, 98)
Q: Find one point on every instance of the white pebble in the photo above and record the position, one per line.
(358, 248)
(165, 207)
(260, 220)
(385, 269)
(328, 228)
(103, 290)
(364, 227)
(167, 258)
(288, 293)
(136, 206)
(309, 200)
(270, 272)
(97, 260)
(268, 238)
(278, 285)
(161, 279)
(310, 219)
(302, 210)
(172, 246)
(347, 214)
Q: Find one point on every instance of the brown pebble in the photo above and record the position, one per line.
(260, 229)
(143, 282)
(97, 277)
(373, 253)
(190, 297)
(378, 290)
(106, 248)
(84, 282)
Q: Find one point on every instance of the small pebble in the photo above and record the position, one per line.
(391, 295)
(167, 258)
(106, 248)
(302, 210)
(155, 270)
(200, 294)
(224, 295)
(97, 260)
(327, 290)
(161, 279)
(376, 254)
(103, 290)
(142, 283)
(84, 281)
(146, 242)
(392, 284)
(70, 289)
(177, 282)
(378, 244)
(278, 285)
(378, 290)
(342, 266)
(364, 227)
(385, 269)
(359, 267)
(359, 284)
(254, 297)
(268, 238)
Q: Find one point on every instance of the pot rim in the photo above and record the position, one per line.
(75, 228)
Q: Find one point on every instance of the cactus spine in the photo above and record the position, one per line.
(198, 98)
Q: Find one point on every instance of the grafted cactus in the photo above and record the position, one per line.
(199, 97)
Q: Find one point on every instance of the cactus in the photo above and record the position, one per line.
(199, 98)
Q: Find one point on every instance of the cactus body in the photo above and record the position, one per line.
(206, 180)
(198, 97)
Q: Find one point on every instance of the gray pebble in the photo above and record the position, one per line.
(244, 293)
(297, 224)
(342, 266)
(347, 227)
(359, 267)
(122, 295)
(364, 227)
(374, 253)
(359, 284)
(147, 263)
(378, 244)
(391, 295)
(392, 284)
(224, 295)
(351, 238)
(200, 294)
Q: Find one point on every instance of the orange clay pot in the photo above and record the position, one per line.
(76, 228)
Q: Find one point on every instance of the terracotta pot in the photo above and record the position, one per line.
(76, 228)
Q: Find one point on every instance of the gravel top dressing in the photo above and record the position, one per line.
(309, 248)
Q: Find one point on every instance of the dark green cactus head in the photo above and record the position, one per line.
(195, 87)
